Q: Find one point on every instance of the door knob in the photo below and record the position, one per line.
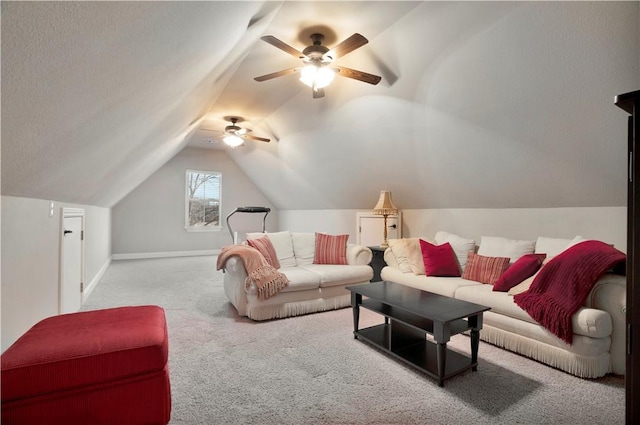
(67, 231)
(393, 226)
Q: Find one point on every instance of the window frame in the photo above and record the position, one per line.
(187, 226)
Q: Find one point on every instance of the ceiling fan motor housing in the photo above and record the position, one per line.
(233, 127)
(316, 52)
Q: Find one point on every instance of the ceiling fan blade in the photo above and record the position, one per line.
(357, 75)
(318, 93)
(276, 74)
(347, 46)
(211, 129)
(282, 46)
(256, 138)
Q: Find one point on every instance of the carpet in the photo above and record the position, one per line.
(227, 369)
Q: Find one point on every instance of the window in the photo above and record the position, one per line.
(202, 204)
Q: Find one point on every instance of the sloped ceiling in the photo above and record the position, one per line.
(497, 104)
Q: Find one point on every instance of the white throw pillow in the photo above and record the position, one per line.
(414, 255)
(398, 249)
(283, 245)
(493, 246)
(460, 245)
(554, 246)
(304, 247)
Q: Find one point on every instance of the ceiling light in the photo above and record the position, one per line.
(316, 77)
(233, 140)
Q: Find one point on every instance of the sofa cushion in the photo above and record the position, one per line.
(304, 247)
(484, 269)
(439, 285)
(300, 279)
(460, 245)
(524, 267)
(587, 321)
(493, 246)
(399, 251)
(554, 246)
(330, 249)
(265, 247)
(283, 245)
(439, 260)
(522, 286)
(414, 255)
(337, 274)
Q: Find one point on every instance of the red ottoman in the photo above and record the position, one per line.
(95, 367)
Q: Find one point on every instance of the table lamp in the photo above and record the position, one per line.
(385, 208)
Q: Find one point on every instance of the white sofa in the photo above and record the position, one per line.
(312, 287)
(599, 340)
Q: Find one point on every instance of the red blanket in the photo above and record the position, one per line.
(563, 284)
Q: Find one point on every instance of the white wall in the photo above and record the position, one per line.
(608, 224)
(30, 259)
(482, 105)
(150, 220)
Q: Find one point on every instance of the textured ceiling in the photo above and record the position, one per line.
(496, 104)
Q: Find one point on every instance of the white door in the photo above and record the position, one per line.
(71, 264)
(371, 229)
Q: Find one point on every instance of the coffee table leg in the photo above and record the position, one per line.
(356, 300)
(476, 322)
(475, 342)
(442, 362)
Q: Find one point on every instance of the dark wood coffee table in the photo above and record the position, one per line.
(410, 314)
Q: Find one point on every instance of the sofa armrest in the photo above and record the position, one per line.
(390, 258)
(358, 255)
(610, 294)
(235, 277)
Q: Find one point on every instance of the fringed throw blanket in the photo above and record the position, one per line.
(562, 285)
(268, 280)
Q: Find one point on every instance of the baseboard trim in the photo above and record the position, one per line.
(94, 282)
(141, 255)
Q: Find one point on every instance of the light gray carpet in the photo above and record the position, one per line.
(226, 369)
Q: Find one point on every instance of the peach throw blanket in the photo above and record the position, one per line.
(268, 280)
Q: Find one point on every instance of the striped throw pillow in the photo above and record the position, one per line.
(484, 269)
(330, 249)
(267, 250)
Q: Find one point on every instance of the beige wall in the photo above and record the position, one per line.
(151, 218)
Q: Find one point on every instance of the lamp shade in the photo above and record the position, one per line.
(385, 204)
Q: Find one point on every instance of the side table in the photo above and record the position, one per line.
(377, 262)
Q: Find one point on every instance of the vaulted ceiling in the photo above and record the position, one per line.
(496, 104)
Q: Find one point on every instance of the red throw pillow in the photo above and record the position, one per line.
(267, 250)
(484, 269)
(525, 267)
(439, 260)
(330, 249)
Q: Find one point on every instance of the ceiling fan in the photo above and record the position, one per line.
(319, 70)
(235, 135)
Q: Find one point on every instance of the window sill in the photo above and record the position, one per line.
(203, 229)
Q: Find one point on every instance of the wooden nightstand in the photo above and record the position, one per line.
(377, 263)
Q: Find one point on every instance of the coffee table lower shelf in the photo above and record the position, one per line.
(421, 355)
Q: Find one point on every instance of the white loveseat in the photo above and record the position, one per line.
(312, 287)
(599, 341)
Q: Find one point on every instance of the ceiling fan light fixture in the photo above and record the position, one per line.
(316, 77)
(233, 140)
